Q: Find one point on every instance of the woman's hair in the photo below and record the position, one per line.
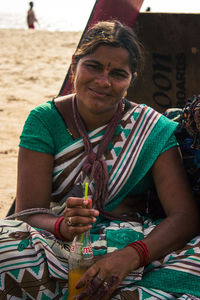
(114, 34)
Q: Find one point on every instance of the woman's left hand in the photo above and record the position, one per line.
(104, 276)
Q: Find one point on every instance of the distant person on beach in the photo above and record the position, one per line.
(31, 19)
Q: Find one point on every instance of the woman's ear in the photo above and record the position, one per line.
(72, 67)
(134, 76)
(72, 64)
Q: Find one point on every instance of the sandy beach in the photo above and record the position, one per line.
(33, 66)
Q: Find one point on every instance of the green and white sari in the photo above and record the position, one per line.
(34, 264)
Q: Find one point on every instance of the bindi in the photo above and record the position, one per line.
(108, 66)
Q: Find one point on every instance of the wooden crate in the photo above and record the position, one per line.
(172, 59)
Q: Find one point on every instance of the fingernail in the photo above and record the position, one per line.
(90, 202)
(78, 286)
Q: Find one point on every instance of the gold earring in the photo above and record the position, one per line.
(125, 94)
(72, 77)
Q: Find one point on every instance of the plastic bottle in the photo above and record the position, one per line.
(80, 259)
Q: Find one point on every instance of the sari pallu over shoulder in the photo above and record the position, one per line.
(129, 156)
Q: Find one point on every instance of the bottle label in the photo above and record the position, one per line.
(87, 250)
(72, 248)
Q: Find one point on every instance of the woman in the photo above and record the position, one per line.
(97, 135)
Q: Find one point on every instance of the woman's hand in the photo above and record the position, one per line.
(104, 276)
(78, 217)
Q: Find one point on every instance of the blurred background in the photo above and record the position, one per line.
(72, 15)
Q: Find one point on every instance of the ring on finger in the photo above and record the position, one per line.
(105, 284)
(69, 222)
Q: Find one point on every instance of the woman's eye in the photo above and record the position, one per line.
(118, 75)
(94, 67)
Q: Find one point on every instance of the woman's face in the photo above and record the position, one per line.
(101, 79)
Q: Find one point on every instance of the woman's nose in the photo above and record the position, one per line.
(103, 79)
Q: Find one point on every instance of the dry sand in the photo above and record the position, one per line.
(33, 66)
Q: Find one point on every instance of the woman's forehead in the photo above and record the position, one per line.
(109, 55)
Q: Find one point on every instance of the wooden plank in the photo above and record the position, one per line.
(172, 45)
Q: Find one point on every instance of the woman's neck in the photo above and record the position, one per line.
(92, 121)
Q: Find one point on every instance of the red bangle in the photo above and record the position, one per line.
(135, 246)
(57, 232)
(146, 252)
(142, 250)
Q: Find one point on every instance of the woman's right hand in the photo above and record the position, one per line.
(78, 217)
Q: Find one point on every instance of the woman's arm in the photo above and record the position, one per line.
(34, 184)
(34, 187)
(182, 220)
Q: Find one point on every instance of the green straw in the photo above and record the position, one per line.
(86, 191)
(85, 196)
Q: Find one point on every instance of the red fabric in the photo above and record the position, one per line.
(125, 11)
(31, 26)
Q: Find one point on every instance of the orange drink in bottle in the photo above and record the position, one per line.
(74, 277)
(80, 259)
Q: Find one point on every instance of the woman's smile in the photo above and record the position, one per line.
(98, 93)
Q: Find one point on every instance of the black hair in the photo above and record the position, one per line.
(114, 34)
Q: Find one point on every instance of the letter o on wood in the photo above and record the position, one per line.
(162, 82)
